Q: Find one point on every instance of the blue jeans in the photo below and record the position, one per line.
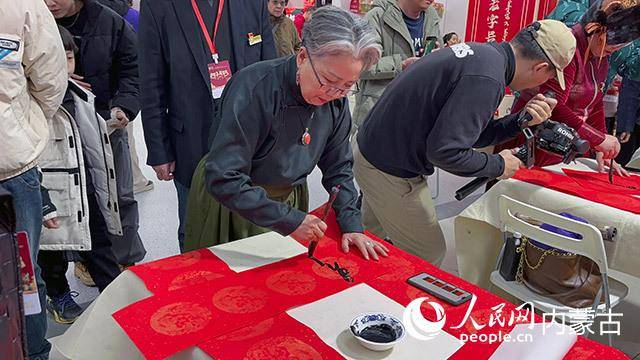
(27, 203)
(183, 197)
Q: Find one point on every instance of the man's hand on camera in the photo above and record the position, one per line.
(511, 163)
(540, 108)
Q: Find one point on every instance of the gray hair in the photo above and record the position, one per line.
(333, 31)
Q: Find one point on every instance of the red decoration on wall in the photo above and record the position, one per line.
(497, 20)
(546, 7)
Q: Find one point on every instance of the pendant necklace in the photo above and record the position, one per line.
(306, 136)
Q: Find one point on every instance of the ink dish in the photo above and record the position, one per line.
(377, 331)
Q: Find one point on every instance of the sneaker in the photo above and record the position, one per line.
(82, 273)
(64, 309)
(146, 187)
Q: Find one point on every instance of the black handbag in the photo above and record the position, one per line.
(510, 257)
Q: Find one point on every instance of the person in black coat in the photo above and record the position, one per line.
(119, 6)
(107, 65)
(178, 106)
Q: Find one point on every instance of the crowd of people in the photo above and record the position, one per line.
(239, 103)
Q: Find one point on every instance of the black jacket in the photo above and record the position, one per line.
(438, 110)
(119, 6)
(259, 143)
(109, 59)
(178, 108)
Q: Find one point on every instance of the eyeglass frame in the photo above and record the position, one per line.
(330, 89)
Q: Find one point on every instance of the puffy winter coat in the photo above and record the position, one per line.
(33, 79)
(77, 143)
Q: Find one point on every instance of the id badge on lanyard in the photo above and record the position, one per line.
(219, 75)
(219, 71)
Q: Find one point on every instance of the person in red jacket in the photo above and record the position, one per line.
(303, 17)
(602, 31)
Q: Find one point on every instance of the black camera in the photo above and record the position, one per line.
(550, 136)
(560, 139)
(555, 138)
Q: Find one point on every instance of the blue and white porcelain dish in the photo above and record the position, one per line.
(370, 319)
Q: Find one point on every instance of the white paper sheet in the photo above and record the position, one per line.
(256, 251)
(330, 318)
(545, 341)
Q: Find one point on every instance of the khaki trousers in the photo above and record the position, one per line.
(401, 209)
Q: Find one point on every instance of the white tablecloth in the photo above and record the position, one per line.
(478, 240)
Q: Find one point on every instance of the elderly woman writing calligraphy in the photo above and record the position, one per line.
(279, 119)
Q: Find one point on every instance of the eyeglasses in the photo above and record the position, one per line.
(279, 2)
(331, 90)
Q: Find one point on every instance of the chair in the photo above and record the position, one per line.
(591, 245)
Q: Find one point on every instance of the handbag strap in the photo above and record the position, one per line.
(523, 258)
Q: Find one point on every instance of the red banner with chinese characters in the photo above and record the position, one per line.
(498, 20)
(546, 7)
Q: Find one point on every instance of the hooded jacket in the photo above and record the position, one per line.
(33, 79)
(395, 39)
(109, 59)
(624, 62)
(78, 141)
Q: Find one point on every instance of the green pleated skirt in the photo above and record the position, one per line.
(209, 223)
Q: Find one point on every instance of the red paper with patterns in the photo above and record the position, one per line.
(175, 272)
(564, 184)
(600, 182)
(163, 325)
(248, 320)
(280, 337)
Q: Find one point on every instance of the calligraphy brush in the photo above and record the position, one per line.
(615, 124)
(332, 198)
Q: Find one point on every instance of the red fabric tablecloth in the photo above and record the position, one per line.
(199, 301)
(596, 191)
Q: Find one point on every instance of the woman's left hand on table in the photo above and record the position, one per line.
(367, 246)
(603, 166)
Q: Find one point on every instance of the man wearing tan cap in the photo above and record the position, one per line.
(435, 114)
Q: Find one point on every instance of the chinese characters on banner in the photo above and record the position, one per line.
(498, 20)
(546, 7)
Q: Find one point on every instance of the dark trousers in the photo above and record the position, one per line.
(128, 247)
(100, 260)
(629, 148)
(183, 197)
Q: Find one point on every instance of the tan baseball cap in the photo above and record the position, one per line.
(558, 43)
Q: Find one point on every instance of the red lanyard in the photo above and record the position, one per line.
(205, 31)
